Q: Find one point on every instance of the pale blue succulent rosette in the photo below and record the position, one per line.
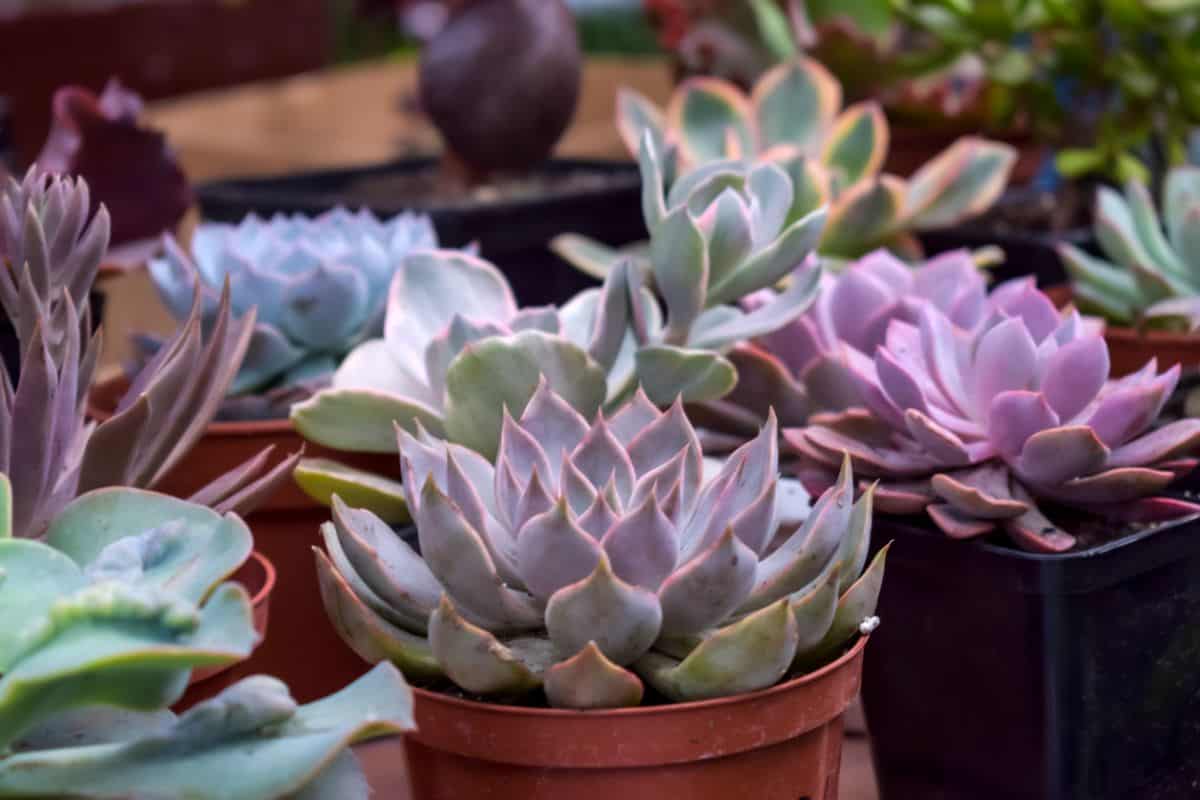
(319, 285)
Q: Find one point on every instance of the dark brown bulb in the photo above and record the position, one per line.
(501, 82)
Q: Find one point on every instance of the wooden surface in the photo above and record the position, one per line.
(360, 115)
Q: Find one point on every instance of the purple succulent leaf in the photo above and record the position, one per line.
(868, 459)
(663, 478)
(904, 497)
(254, 488)
(643, 546)
(633, 418)
(508, 493)
(902, 389)
(521, 451)
(797, 344)
(553, 423)
(1031, 306)
(553, 551)
(950, 280)
(395, 572)
(1033, 531)
(831, 383)
(600, 457)
(1160, 445)
(708, 588)
(1074, 375)
(1124, 413)
(623, 620)
(536, 318)
(1121, 485)
(659, 441)
(1015, 416)
(419, 462)
(457, 556)
(883, 265)
(575, 486)
(588, 680)
(856, 298)
(941, 443)
(755, 524)
(33, 400)
(941, 344)
(1057, 455)
(599, 517)
(958, 524)
(1005, 360)
(802, 556)
(981, 492)
(533, 501)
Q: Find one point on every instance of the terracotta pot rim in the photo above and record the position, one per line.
(269, 578)
(244, 429)
(646, 711)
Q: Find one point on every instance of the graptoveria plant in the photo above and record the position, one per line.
(101, 626)
(982, 428)
(591, 560)
(794, 119)
(318, 283)
(1153, 269)
(456, 350)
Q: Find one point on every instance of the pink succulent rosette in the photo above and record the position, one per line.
(977, 426)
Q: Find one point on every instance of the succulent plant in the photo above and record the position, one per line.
(456, 349)
(101, 626)
(500, 81)
(45, 233)
(794, 119)
(981, 428)
(1152, 272)
(590, 560)
(46, 445)
(318, 284)
(129, 167)
(823, 349)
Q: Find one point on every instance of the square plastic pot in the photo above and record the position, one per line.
(1004, 674)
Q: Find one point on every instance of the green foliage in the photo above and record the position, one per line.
(1114, 85)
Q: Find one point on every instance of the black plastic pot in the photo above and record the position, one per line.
(10, 348)
(513, 234)
(999, 674)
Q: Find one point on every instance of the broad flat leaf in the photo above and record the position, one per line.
(109, 645)
(32, 577)
(679, 257)
(773, 262)
(858, 143)
(586, 255)
(503, 372)
(666, 373)
(959, 183)
(636, 116)
(711, 115)
(193, 549)
(322, 478)
(361, 420)
(863, 217)
(253, 736)
(795, 104)
(780, 311)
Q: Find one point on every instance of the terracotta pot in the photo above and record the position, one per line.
(302, 648)
(783, 743)
(1129, 348)
(257, 575)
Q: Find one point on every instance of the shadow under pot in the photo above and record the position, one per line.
(1006, 674)
(512, 222)
(301, 647)
(781, 743)
(1130, 348)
